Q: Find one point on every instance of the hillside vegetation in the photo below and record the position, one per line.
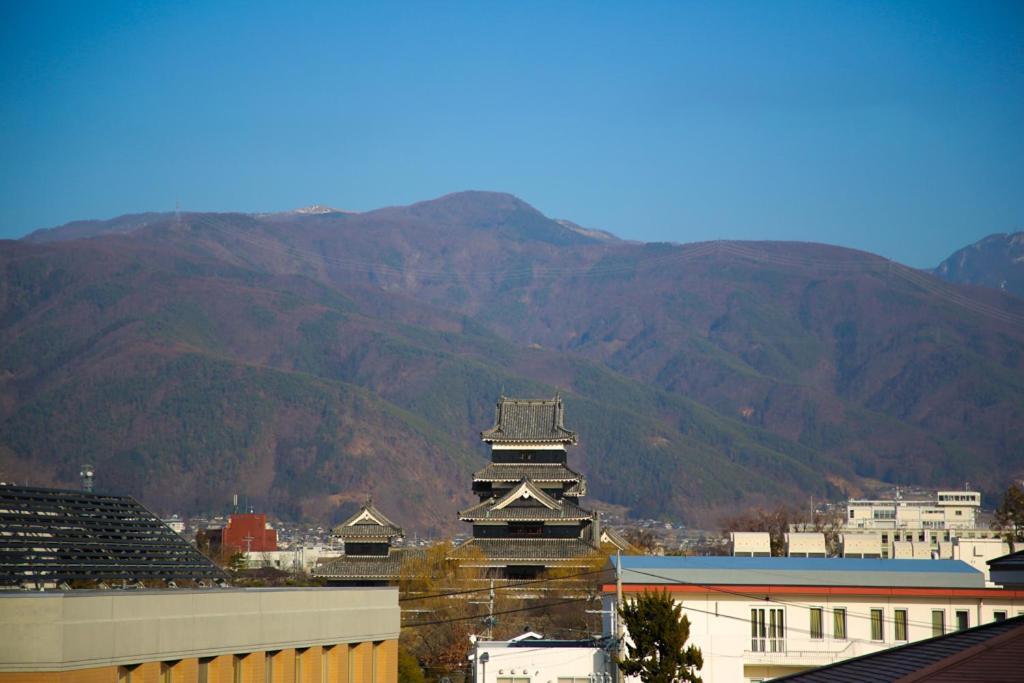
(305, 360)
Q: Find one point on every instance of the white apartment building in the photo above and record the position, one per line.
(757, 618)
(931, 525)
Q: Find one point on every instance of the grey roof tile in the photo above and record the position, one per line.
(520, 420)
(526, 549)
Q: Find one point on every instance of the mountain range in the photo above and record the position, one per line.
(308, 359)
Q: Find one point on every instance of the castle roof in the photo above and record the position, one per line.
(521, 420)
(538, 472)
(384, 568)
(523, 550)
(525, 502)
(367, 524)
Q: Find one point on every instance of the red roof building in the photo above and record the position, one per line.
(249, 533)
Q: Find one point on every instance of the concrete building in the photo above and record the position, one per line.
(306, 635)
(756, 618)
(532, 658)
(916, 528)
(750, 544)
(949, 510)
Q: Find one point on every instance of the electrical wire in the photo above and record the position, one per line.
(509, 586)
(494, 614)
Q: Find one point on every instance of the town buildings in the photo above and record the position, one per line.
(529, 518)
(756, 618)
(916, 528)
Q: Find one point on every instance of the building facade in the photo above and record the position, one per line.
(756, 618)
(247, 533)
(298, 635)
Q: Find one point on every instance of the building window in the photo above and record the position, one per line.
(877, 625)
(999, 616)
(938, 622)
(817, 630)
(962, 619)
(851, 514)
(839, 623)
(574, 679)
(901, 624)
(767, 630)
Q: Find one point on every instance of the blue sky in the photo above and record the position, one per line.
(886, 126)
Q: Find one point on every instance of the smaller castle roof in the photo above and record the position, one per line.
(368, 523)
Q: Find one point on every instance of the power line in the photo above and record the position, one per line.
(504, 587)
(507, 611)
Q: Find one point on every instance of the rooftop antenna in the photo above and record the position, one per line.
(87, 474)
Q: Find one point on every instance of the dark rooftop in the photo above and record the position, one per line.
(520, 420)
(540, 472)
(386, 567)
(525, 501)
(368, 522)
(991, 652)
(525, 550)
(53, 535)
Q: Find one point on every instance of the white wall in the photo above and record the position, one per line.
(540, 664)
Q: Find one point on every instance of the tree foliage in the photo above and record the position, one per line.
(409, 670)
(659, 631)
(778, 521)
(1009, 516)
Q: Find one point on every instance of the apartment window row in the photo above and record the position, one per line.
(900, 624)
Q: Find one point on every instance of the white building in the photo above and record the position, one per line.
(298, 559)
(756, 618)
(949, 510)
(530, 658)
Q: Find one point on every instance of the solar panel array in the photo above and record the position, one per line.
(49, 536)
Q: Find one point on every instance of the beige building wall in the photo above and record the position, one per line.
(299, 635)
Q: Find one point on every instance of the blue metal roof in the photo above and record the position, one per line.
(818, 564)
(799, 571)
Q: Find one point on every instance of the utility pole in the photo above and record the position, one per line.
(616, 621)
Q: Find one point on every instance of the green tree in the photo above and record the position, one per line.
(659, 631)
(409, 670)
(1010, 515)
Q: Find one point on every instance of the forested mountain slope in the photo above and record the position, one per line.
(304, 360)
